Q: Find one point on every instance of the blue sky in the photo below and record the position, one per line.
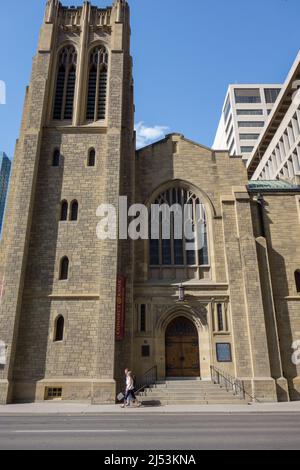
(185, 55)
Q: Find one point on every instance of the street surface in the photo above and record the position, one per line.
(152, 431)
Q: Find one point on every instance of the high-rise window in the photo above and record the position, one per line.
(227, 108)
(230, 136)
(249, 136)
(231, 148)
(65, 84)
(251, 123)
(97, 84)
(250, 95)
(228, 124)
(249, 112)
(247, 149)
(271, 94)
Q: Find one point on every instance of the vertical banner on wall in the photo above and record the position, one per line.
(120, 308)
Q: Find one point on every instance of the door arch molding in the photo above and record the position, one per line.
(182, 348)
(199, 317)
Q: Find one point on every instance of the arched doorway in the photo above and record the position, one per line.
(182, 349)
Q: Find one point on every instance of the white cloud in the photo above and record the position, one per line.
(147, 135)
(2, 92)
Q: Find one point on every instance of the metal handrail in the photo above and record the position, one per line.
(149, 379)
(230, 383)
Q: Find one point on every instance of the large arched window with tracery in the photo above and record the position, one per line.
(178, 239)
(65, 84)
(97, 84)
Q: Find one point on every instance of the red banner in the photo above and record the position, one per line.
(120, 308)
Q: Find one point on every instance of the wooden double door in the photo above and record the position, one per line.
(182, 349)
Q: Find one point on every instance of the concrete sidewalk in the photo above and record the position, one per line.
(64, 408)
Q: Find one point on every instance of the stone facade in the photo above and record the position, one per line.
(35, 240)
(252, 255)
(245, 272)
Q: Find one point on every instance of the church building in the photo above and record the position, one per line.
(76, 310)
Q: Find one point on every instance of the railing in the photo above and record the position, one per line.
(149, 379)
(226, 381)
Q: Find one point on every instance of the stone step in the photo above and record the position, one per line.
(192, 386)
(198, 383)
(187, 396)
(188, 392)
(223, 401)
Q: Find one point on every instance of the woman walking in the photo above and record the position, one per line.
(129, 392)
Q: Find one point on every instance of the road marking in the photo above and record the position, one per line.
(68, 431)
(105, 419)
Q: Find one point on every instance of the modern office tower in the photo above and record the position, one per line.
(5, 165)
(245, 112)
(277, 152)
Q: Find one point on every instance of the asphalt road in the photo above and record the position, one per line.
(151, 432)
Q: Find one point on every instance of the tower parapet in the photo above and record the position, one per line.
(70, 17)
(51, 10)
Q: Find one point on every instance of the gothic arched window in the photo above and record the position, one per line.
(64, 269)
(56, 158)
(64, 211)
(97, 84)
(91, 158)
(220, 317)
(65, 84)
(74, 211)
(178, 241)
(59, 329)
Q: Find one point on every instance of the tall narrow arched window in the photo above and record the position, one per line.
(65, 84)
(74, 211)
(143, 311)
(178, 237)
(91, 158)
(297, 280)
(97, 84)
(56, 158)
(59, 329)
(220, 317)
(64, 269)
(64, 211)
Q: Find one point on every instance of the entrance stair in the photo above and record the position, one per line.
(188, 392)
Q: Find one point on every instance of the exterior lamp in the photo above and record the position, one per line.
(181, 294)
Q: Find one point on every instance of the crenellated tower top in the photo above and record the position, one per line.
(73, 17)
(51, 10)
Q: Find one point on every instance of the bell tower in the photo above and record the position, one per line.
(75, 151)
